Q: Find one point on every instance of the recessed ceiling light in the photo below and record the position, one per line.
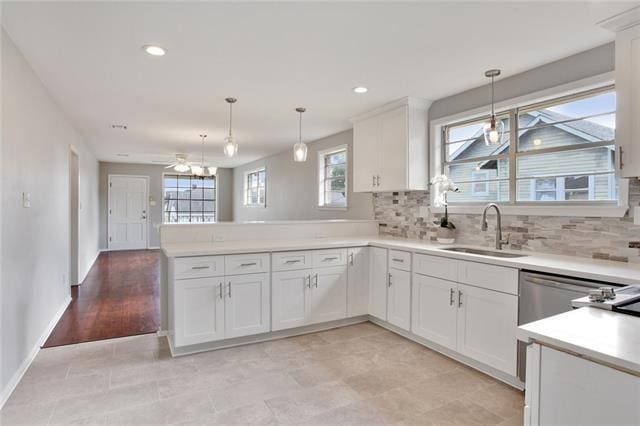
(360, 89)
(154, 50)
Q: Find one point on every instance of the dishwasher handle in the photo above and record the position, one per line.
(563, 283)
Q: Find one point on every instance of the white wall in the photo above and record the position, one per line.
(292, 188)
(36, 138)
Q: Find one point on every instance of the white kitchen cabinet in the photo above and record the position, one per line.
(198, 310)
(247, 305)
(390, 147)
(487, 323)
(328, 294)
(290, 296)
(627, 29)
(399, 298)
(378, 280)
(434, 310)
(358, 281)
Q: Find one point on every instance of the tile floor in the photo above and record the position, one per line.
(361, 374)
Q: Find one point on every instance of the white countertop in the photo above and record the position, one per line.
(600, 270)
(598, 334)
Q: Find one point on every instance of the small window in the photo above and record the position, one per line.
(479, 184)
(189, 199)
(255, 188)
(569, 188)
(332, 178)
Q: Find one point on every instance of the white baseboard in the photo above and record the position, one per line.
(153, 248)
(17, 376)
(162, 333)
(90, 266)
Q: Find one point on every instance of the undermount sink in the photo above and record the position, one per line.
(482, 252)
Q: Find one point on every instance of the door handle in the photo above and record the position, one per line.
(459, 299)
(229, 289)
(351, 259)
(390, 282)
(451, 293)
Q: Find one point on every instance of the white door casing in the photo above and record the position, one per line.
(128, 212)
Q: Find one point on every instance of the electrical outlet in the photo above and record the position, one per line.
(26, 200)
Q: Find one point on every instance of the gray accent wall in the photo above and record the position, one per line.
(292, 188)
(35, 261)
(155, 172)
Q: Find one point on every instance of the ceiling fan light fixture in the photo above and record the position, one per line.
(154, 50)
(181, 168)
(300, 149)
(212, 170)
(494, 129)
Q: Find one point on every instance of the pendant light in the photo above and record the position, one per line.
(300, 149)
(201, 170)
(230, 145)
(494, 129)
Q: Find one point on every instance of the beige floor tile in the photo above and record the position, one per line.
(50, 391)
(89, 365)
(253, 414)
(374, 382)
(462, 413)
(357, 413)
(151, 372)
(32, 414)
(350, 332)
(184, 408)
(145, 342)
(500, 399)
(198, 380)
(398, 405)
(253, 391)
(314, 374)
(299, 407)
(93, 404)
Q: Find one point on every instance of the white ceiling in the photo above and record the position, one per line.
(274, 57)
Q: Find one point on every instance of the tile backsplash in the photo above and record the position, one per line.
(618, 239)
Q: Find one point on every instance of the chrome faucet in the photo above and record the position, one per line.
(499, 240)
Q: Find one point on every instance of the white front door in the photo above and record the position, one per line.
(127, 213)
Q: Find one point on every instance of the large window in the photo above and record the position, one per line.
(189, 199)
(561, 150)
(332, 178)
(255, 184)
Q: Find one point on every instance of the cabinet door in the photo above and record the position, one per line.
(628, 100)
(434, 310)
(399, 299)
(198, 311)
(487, 322)
(366, 139)
(378, 282)
(393, 150)
(328, 294)
(290, 299)
(358, 281)
(247, 305)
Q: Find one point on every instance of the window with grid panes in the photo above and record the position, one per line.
(332, 180)
(189, 199)
(562, 150)
(255, 185)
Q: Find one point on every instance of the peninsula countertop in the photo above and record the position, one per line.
(599, 270)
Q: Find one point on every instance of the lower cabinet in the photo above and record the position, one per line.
(198, 310)
(309, 296)
(399, 298)
(378, 280)
(209, 309)
(247, 305)
(487, 322)
(358, 281)
(435, 310)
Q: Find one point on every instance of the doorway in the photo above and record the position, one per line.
(127, 225)
(74, 208)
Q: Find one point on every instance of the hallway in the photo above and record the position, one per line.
(119, 297)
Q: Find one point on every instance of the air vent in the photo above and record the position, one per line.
(122, 155)
(119, 126)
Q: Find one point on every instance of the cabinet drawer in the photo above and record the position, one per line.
(291, 260)
(400, 260)
(491, 277)
(198, 267)
(322, 258)
(435, 266)
(246, 263)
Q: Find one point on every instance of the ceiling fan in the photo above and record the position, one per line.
(181, 164)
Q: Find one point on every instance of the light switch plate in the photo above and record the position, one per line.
(26, 200)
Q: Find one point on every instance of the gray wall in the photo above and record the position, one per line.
(36, 140)
(292, 188)
(155, 190)
(598, 60)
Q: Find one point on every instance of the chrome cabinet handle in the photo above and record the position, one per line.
(200, 267)
(309, 281)
(374, 180)
(351, 259)
(229, 288)
(328, 259)
(459, 299)
(248, 264)
(451, 293)
(378, 180)
(220, 290)
(390, 276)
(289, 262)
(315, 279)
(398, 260)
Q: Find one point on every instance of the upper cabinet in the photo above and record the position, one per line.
(627, 28)
(390, 147)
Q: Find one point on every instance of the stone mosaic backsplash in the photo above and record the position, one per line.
(593, 237)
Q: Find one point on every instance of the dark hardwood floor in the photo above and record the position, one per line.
(119, 297)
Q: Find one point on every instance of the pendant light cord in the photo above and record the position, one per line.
(230, 118)
(300, 135)
(493, 113)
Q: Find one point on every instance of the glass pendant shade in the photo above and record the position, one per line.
(196, 170)
(493, 131)
(300, 151)
(212, 170)
(181, 168)
(230, 147)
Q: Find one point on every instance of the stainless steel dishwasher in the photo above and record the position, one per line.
(545, 295)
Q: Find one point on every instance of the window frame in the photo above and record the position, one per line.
(163, 211)
(321, 179)
(571, 208)
(246, 188)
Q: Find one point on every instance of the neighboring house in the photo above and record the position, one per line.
(540, 130)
